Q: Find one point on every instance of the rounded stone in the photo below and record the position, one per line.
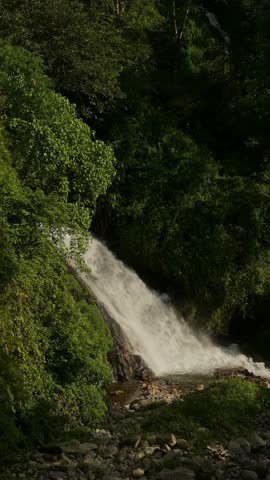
(138, 473)
(219, 474)
(149, 450)
(256, 441)
(239, 446)
(139, 456)
(249, 475)
(183, 444)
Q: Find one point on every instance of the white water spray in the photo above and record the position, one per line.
(155, 330)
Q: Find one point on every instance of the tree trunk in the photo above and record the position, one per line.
(181, 30)
(119, 7)
(174, 18)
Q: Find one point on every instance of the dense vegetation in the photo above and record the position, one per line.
(53, 339)
(223, 410)
(184, 107)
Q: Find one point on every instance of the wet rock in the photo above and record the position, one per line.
(146, 374)
(239, 446)
(124, 364)
(233, 372)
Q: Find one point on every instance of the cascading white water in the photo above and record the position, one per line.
(155, 330)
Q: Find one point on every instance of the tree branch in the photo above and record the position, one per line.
(181, 30)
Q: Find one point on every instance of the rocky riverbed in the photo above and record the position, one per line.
(112, 454)
(121, 450)
(135, 394)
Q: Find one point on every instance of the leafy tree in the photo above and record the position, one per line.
(80, 52)
(247, 110)
(202, 228)
(84, 46)
(52, 149)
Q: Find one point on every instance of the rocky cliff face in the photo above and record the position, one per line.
(125, 365)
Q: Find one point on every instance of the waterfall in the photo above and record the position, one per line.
(215, 24)
(155, 330)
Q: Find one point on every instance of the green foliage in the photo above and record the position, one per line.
(230, 404)
(10, 193)
(190, 203)
(51, 148)
(58, 339)
(69, 38)
(53, 339)
(142, 16)
(202, 228)
(11, 387)
(84, 45)
(226, 408)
